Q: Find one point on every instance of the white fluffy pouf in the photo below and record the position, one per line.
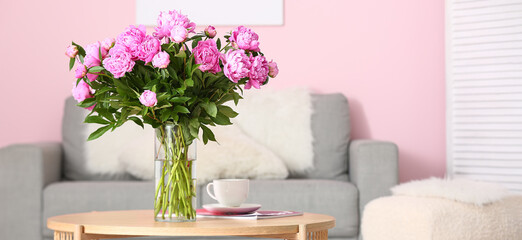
(433, 210)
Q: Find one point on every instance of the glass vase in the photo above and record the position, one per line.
(175, 175)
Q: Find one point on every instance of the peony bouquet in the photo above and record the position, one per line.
(175, 80)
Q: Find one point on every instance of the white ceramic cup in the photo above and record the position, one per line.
(229, 192)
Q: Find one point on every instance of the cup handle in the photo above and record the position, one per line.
(208, 191)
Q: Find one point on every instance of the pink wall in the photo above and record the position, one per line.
(386, 56)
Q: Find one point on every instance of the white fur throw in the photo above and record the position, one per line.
(463, 190)
(281, 121)
(416, 218)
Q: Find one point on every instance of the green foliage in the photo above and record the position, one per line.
(186, 96)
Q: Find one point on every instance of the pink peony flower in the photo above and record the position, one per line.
(258, 72)
(119, 61)
(273, 69)
(80, 72)
(92, 77)
(210, 31)
(148, 98)
(108, 43)
(148, 48)
(161, 60)
(178, 34)
(92, 54)
(71, 51)
(245, 38)
(167, 20)
(207, 54)
(82, 91)
(131, 39)
(236, 65)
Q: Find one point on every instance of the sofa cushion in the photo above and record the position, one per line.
(331, 133)
(335, 198)
(74, 137)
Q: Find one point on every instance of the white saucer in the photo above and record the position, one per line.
(244, 208)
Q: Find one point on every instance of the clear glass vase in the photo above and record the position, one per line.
(174, 175)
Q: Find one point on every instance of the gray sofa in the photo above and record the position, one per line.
(38, 181)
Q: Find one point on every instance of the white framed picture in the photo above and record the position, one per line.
(215, 12)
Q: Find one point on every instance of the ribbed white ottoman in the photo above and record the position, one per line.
(423, 218)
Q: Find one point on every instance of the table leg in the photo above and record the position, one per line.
(303, 234)
(63, 235)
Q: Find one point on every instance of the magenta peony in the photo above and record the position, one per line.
(236, 65)
(131, 39)
(273, 69)
(210, 31)
(92, 77)
(207, 54)
(245, 38)
(167, 20)
(148, 48)
(161, 60)
(92, 57)
(71, 51)
(82, 91)
(119, 61)
(258, 72)
(108, 43)
(178, 34)
(80, 72)
(148, 98)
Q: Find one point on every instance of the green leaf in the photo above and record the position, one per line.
(210, 108)
(95, 119)
(81, 51)
(87, 102)
(218, 43)
(137, 121)
(164, 115)
(194, 123)
(195, 42)
(207, 134)
(181, 54)
(99, 132)
(221, 119)
(227, 111)
(71, 63)
(189, 82)
(95, 69)
(181, 109)
(81, 58)
(123, 88)
(179, 99)
(194, 131)
(106, 114)
(236, 97)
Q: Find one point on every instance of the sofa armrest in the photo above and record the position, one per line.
(373, 169)
(24, 172)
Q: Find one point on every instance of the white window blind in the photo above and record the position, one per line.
(484, 90)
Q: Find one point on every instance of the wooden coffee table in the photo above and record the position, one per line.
(139, 223)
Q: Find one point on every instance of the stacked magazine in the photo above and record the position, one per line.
(203, 213)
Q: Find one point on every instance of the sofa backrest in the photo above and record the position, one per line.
(330, 130)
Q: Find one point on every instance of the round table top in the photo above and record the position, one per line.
(141, 223)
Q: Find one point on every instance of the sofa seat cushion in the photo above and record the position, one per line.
(335, 198)
(85, 196)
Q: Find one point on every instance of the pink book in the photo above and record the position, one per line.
(203, 213)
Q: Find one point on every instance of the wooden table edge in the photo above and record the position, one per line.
(290, 231)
